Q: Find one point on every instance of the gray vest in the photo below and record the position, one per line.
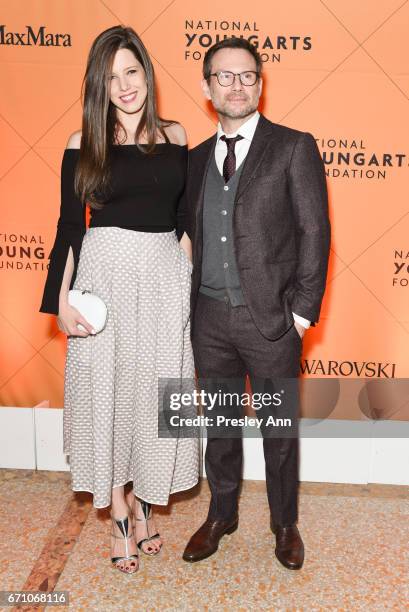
(220, 278)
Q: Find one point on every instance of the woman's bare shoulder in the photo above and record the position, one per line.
(74, 141)
(176, 133)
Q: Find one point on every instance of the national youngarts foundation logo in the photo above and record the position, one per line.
(401, 268)
(22, 252)
(202, 34)
(350, 158)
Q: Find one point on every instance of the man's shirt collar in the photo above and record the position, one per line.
(246, 130)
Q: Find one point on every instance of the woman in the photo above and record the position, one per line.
(129, 166)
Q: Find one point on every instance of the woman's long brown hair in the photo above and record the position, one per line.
(100, 125)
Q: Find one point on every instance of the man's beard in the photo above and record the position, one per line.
(249, 109)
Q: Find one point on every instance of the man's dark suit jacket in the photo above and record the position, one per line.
(280, 225)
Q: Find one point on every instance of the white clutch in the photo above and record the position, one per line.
(91, 307)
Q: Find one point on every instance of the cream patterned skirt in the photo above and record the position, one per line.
(111, 379)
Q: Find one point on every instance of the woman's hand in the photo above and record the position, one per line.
(186, 245)
(68, 316)
(68, 319)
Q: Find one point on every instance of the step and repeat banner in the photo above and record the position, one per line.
(337, 69)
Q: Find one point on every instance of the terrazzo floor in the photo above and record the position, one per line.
(356, 541)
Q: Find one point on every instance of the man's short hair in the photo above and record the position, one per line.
(230, 43)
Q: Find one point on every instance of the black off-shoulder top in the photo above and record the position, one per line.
(145, 195)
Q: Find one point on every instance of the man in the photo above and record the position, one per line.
(259, 225)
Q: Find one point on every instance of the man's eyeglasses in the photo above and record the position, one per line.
(225, 78)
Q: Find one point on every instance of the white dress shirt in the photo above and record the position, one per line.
(241, 149)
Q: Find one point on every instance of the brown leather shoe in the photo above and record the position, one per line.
(206, 540)
(289, 548)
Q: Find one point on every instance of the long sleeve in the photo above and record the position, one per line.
(70, 232)
(182, 220)
(310, 205)
(182, 223)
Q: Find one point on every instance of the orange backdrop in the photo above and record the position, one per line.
(336, 68)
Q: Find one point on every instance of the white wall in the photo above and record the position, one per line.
(31, 438)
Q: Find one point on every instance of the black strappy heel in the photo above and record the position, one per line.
(123, 526)
(147, 514)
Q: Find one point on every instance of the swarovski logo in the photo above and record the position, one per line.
(31, 37)
(365, 369)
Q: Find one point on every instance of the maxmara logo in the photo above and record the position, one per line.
(34, 37)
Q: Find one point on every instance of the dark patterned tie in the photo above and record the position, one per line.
(229, 164)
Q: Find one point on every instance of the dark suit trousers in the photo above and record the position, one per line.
(227, 344)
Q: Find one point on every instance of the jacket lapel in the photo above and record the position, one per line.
(203, 163)
(258, 147)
